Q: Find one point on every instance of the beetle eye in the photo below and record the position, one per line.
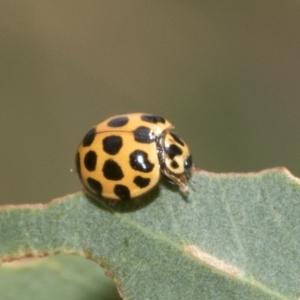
(188, 164)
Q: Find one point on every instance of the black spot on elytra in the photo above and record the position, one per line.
(173, 150)
(89, 138)
(177, 139)
(95, 185)
(174, 164)
(139, 161)
(143, 135)
(90, 160)
(118, 122)
(112, 144)
(122, 191)
(77, 162)
(112, 171)
(153, 119)
(141, 181)
(188, 164)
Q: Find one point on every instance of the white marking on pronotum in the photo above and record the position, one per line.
(212, 261)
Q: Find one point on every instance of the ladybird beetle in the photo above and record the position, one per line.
(123, 156)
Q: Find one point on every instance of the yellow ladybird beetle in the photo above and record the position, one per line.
(124, 156)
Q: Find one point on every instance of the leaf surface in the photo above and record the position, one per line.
(55, 277)
(236, 236)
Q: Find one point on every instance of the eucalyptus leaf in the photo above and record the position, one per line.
(235, 236)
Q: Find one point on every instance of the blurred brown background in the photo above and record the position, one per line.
(226, 73)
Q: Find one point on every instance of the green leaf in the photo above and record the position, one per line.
(55, 277)
(236, 236)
